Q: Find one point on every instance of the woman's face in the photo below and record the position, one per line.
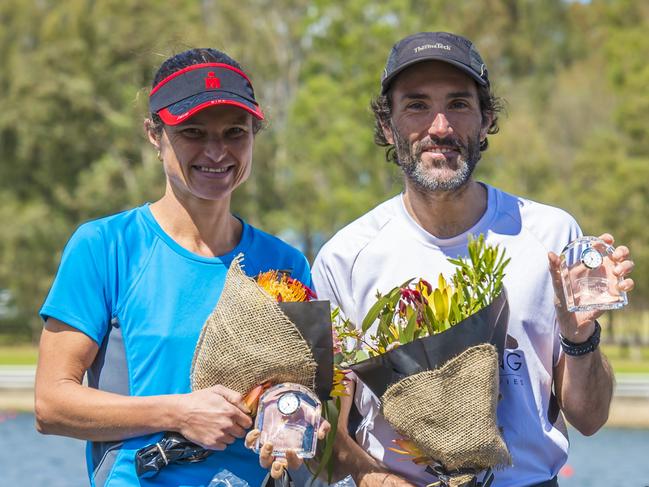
(210, 154)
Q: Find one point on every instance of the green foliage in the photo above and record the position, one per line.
(74, 78)
(411, 311)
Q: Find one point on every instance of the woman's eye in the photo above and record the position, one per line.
(192, 133)
(235, 132)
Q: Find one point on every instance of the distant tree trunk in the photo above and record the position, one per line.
(307, 236)
(611, 330)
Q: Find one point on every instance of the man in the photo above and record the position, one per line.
(434, 113)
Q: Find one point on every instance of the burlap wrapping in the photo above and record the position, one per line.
(450, 412)
(248, 340)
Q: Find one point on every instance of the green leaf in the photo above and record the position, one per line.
(331, 411)
(441, 308)
(409, 330)
(373, 312)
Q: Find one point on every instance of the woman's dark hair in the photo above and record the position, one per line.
(382, 109)
(187, 58)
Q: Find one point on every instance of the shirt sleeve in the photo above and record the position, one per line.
(79, 296)
(302, 271)
(330, 281)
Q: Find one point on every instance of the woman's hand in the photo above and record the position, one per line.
(214, 417)
(278, 464)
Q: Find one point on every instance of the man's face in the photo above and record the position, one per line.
(436, 125)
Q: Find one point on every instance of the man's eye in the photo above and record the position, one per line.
(417, 105)
(459, 104)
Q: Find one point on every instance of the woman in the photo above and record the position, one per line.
(134, 289)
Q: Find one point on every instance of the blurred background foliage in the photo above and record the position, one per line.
(75, 76)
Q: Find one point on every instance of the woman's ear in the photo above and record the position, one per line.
(152, 133)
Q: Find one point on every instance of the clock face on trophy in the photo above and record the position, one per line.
(288, 403)
(591, 258)
(587, 275)
(289, 417)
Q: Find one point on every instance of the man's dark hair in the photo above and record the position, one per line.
(382, 108)
(188, 58)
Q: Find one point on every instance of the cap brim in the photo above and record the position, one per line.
(181, 111)
(385, 83)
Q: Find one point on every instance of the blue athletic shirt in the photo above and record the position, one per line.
(143, 299)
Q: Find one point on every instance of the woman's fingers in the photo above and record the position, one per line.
(251, 438)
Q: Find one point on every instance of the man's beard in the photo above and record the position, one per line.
(409, 156)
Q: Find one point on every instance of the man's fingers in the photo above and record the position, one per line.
(626, 285)
(266, 455)
(608, 238)
(621, 253)
(554, 264)
(277, 469)
(293, 462)
(325, 427)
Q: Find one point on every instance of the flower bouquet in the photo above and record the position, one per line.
(262, 332)
(433, 362)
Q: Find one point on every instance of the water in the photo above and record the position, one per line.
(29, 459)
(613, 457)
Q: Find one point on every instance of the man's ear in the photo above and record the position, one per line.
(387, 132)
(153, 136)
(487, 119)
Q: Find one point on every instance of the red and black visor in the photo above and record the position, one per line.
(188, 91)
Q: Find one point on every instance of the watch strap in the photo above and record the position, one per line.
(577, 349)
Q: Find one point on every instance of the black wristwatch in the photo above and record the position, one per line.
(577, 349)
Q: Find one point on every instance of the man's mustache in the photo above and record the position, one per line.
(430, 142)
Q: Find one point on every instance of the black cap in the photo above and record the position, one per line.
(434, 46)
(184, 93)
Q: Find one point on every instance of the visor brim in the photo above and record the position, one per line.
(385, 83)
(185, 109)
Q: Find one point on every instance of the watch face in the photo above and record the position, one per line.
(288, 403)
(591, 258)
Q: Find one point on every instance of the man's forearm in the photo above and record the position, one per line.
(351, 459)
(586, 391)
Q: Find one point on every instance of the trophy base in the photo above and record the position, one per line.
(597, 306)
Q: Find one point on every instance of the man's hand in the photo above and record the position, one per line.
(577, 327)
(278, 464)
(214, 417)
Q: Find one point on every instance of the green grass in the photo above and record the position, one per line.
(18, 355)
(625, 360)
(628, 360)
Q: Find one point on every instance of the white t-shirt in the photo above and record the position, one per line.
(386, 247)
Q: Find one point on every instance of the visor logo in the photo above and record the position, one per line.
(212, 82)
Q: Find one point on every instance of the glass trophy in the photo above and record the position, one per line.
(587, 275)
(289, 417)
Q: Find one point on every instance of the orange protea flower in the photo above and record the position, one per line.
(251, 399)
(283, 287)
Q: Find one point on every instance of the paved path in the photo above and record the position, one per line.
(17, 377)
